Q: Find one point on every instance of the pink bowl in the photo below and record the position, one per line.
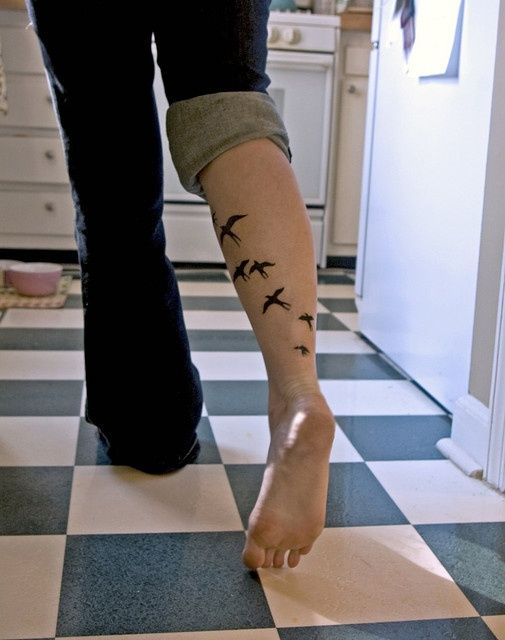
(35, 278)
(4, 267)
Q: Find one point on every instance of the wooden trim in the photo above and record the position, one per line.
(13, 4)
(353, 21)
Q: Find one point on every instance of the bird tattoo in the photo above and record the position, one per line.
(303, 349)
(260, 268)
(308, 318)
(274, 299)
(240, 271)
(226, 229)
(214, 217)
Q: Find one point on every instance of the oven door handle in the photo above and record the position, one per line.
(300, 60)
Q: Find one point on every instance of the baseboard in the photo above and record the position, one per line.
(471, 423)
(341, 262)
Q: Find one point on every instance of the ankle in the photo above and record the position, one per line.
(293, 390)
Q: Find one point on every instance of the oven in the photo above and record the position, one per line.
(302, 67)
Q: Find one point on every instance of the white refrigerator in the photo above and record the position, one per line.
(422, 199)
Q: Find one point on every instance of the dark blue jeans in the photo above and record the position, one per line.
(143, 391)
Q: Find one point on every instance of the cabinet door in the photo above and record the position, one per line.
(351, 132)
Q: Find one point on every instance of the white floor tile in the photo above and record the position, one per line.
(364, 575)
(436, 491)
(31, 568)
(377, 397)
(43, 318)
(42, 365)
(335, 291)
(38, 441)
(340, 342)
(217, 320)
(188, 288)
(116, 499)
(245, 440)
(230, 365)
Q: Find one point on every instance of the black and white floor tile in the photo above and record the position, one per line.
(412, 548)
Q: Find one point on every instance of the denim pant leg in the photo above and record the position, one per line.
(143, 391)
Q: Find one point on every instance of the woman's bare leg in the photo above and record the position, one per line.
(264, 231)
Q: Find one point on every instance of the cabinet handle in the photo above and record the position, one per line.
(352, 89)
(49, 206)
(49, 154)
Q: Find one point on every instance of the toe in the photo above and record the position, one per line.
(253, 556)
(304, 550)
(293, 558)
(269, 557)
(279, 558)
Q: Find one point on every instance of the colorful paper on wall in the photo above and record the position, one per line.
(438, 35)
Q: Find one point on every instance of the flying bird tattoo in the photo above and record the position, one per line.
(260, 268)
(226, 229)
(274, 299)
(303, 349)
(240, 271)
(308, 319)
(214, 217)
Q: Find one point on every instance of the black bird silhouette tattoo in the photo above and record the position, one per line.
(226, 228)
(260, 268)
(214, 217)
(274, 299)
(303, 349)
(240, 271)
(308, 319)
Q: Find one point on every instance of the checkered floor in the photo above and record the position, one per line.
(412, 549)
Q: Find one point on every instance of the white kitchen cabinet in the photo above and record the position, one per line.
(342, 237)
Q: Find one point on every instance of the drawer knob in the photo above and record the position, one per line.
(49, 206)
(49, 154)
(291, 35)
(273, 34)
(49, 99)
(352, 89)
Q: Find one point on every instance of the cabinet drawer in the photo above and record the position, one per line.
(32, 160)
(41, 213)
(356, 61)
(21, 50)
(30, 103)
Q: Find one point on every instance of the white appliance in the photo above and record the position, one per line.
(302, 67)
(421, 207)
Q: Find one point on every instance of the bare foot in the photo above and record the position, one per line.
(291, 507)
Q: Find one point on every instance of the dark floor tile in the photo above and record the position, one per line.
(222, 340)
(245, 482)
(344, 305)
(40, 397)
(42, 339)
(209, 453)
(74, 301)
(209, 275)
(450, 629)
(155, 583)
(396, 437)
(474, 555)
(333, 278)
(355, 497)
(327, 322)
(236, 397)
(352, 366)
(34, 500)
(211, 303)
(90, 449)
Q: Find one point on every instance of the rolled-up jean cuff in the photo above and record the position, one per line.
(200, 129)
